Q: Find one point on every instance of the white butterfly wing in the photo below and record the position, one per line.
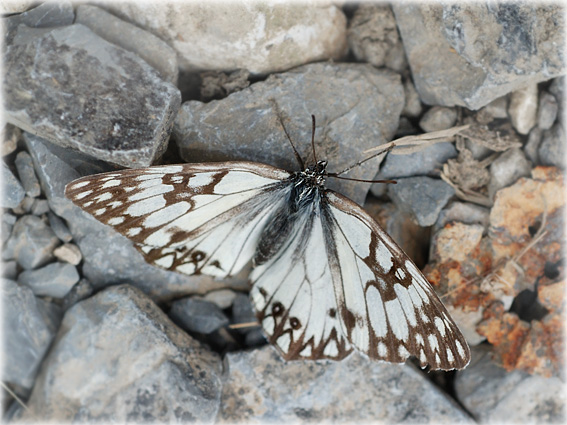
(191, 218)
(294, 298)
(388, 309)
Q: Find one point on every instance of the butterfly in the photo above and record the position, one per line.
(326, 279)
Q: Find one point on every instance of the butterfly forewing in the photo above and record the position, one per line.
(388, 309)
(192, 218)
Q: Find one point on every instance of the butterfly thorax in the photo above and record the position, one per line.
(308, 184)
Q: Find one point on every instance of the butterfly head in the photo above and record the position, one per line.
(315, 174)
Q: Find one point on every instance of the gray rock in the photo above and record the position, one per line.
(422, 197)
(547, 110)
(357, 107)
(25, 206)
(40, 207)
(427, 162)
(507, 169)
(59, 227)
(54, 280)
(24, 166)
(10, 137)
(223, 298)
(46, 15)
(438, 118)
(494, 395)
(118, 358)
(532, 145)
(557, 89)
(82, 290)
(523, 108)
(463, 212)
(260, 387)
(520, 44)
(13, 192)
(9, 269)
(132, 130)
(498, 108)
(152, 49)
(69, 253)
(31, 243)
(7, 222)
(373, 37)
(242, 310)
(552, 148)
(412, 105)
(226, 36)
(28, 327)
(196, 315)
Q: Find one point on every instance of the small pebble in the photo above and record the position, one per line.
(40, 207)
(547, 111)
(438, 118)
(222, 298)
(196, 315)
(59, 227)
(523, 108)
(54, 280)
(24, 165)
(507, 169)
(14, 192)
(532, 145)
(69, 253)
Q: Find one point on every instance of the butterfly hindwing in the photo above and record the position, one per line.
(294, 298)
(192, 218)
(388, 309)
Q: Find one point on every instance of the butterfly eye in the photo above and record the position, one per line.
(277, 309)
(295, 323)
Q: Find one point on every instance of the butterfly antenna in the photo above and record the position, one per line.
(386, 151)
(313, 138)
(297, 156)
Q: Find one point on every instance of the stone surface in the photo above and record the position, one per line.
(27, 175)
(438, 118)
(523, 108)
(28, 327)
(40, 207)
(546, 111)
(373, 37)
(46, 15)
(493, 395)
(427, 162)
(82, 290)
(54, 280)
(260, 387)
(132, 130)
(69, 253)
(357, 107)
(520, 44)
(118, 358)
(31, 243)
(152, 49)
(464, 212)
(532, 145)
(108, 257)
(9, 138)
(195, 315)
(508, 168)
(552, 149)
(223, 298)
(228, 36)
(423, 197)
(59, 227)
(13, 193)
(412, 106)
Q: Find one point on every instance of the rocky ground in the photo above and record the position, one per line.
(92, 332)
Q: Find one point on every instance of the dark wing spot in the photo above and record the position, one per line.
(277, 309)
(216, 264)
(197, 256)
(295, 323)
(263, 292)
(332, 313)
